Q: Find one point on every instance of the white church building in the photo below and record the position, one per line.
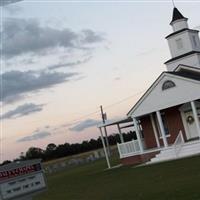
(166, 119)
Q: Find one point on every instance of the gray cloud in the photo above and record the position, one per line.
(7, 2)
(70, 64)
(84, 125)
(35, 136)
(24, 36)
(22, 110)
(117, 78)
(89, 36)
(16, 84)
(197, 27)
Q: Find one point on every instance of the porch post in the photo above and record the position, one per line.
(120, 134)
(162, 130)
(194, 110)
(138, 134)
(105, 149)
(155, 130)
(107, 142)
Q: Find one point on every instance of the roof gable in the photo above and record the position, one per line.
(155, 98)
(182, 67)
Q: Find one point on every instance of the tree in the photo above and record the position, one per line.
(51, 147)
(6, 162)
(34, 152)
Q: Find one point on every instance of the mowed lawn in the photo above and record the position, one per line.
(171, 180)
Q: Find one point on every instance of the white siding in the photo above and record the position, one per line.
(185, 91)
(186, 42)
(191, 60)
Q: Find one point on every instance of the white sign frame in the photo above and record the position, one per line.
(22, 180)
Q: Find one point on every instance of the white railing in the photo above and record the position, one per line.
(178, 143)
(128, 148)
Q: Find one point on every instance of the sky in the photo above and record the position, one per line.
(61, 60)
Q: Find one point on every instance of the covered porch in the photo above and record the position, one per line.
(170, 128)
(164, 119)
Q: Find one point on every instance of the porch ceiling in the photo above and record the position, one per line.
(111, 123)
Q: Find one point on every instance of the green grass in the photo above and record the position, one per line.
(165, 181)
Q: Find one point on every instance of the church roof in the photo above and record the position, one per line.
(183, 55)
(177, 15)
(187, 74)
(180, 31)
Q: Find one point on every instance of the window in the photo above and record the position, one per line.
(164, 121)
(168, 84)
(194, 41)
(179, 43)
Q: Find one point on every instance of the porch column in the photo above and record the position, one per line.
(162, 129)
(107, 142)
(105, 149)
(120, 134)
(155, 130)
(194, 110)
(138, 134)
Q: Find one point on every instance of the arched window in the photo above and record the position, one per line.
(168, 84)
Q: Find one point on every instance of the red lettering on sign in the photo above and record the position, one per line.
(19, 171)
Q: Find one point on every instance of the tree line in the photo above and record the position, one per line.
(53, 151)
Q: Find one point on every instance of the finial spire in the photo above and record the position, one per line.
(173, 2)
(177, 15)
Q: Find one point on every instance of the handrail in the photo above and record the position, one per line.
(178, 143)
(128, 148)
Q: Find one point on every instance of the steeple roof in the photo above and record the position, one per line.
(177, 15)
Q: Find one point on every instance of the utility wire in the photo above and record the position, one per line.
(107, 107)
(75, 121)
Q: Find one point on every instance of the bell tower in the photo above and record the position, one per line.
(184, 43)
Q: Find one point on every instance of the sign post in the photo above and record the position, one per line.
(22, 180)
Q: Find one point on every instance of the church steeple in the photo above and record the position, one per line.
(177, 15)
(184, 43)
(178, 20)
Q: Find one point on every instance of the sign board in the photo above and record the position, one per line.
(21, 180)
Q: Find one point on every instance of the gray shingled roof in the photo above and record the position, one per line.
(177, 15)
(187, 74)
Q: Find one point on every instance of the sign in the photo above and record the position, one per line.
(23, 179)
(4, 175)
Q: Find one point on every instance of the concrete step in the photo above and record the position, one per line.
(188, 149)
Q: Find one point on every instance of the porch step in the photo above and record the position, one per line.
(188, 149)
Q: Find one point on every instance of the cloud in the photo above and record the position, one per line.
(84, 125)
(117, 78)
(24, 36)
(89, 36)
(37, 135)
(70, 64)
(16, 84)
(7, 2)
(197, 27)
(22, 110)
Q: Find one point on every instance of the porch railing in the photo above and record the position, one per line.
(128, 148)
(178, 143)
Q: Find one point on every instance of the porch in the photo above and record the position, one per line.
(180, 149)
(166, 130)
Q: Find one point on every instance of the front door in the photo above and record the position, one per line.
(191, 126)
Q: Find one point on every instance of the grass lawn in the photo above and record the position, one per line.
(165, 181)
